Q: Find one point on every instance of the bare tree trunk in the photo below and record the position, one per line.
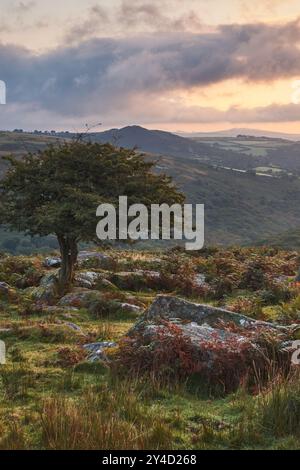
(69, 253)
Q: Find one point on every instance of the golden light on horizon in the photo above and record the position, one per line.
(240, 93)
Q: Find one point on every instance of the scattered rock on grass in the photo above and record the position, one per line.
(93, 280)
(131, 307)
(74, 327)
(54, 262)
(87, 279)
(79, 297)
(47, 291)
(96, 302)
(97, 350)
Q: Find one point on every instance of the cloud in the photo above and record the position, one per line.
(20, 17)
(133, 76)
(156, 17)
(97, 20)
(132, 16)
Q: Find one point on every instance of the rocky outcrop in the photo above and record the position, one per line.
(176, 338)
(79, 297)
(93, 280)
(47, 291)
(96, 302)
(170, 307)
(87, 279)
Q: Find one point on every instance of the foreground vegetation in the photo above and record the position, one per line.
(52, 397)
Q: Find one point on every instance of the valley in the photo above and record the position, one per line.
(248, 197)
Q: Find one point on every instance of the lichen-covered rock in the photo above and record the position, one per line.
(131, 307)
(199, 280)
(97, 351)
(93, 280)
(176, 339)
(79, 297)
(171, 307)
(96, 302)
(87, 279)
(74, 327)
(54, 262)
(47, 291)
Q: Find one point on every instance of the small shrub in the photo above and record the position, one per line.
(254, 278)
(222, 286)
(68, 357)
(279, 407)
(250, 306)
(275, 294)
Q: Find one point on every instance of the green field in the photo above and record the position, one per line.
(52, 397)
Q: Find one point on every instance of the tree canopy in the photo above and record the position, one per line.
(57, 191)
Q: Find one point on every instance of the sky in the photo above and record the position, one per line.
(192, 65)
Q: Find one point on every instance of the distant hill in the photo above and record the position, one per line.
(19, 143)
(242, 153)
(154, 141)
(241, 131)
(240, 208)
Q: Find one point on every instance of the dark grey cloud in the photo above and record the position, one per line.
(109, 76)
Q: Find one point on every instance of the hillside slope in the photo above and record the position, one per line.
(19, 144)
(240, 208)
(158, 142)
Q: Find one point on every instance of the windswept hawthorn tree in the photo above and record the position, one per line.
(58, 190)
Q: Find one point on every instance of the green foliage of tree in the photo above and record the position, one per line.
(57, 191)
